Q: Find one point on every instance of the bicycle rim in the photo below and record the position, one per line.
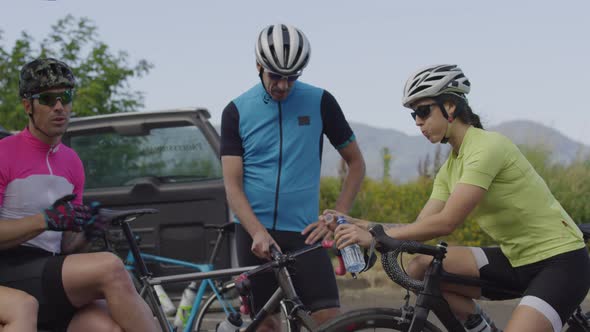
(373, 319)
(212, 312)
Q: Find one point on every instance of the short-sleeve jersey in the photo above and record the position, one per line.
(33, 175)
(281, 147)
(518, 210)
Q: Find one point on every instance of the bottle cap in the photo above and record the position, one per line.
(328, 217)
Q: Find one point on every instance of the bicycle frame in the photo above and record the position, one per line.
(429, 294)
(285, 295)
(431, 298)
(205, 283)
(136, 260)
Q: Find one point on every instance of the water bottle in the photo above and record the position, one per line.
(354, 260)
(476, 323)
(167, 305)
(186, 304)
(231, 323)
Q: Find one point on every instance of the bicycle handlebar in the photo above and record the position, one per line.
(390, 249)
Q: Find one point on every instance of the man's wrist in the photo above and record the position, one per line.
(40, 221)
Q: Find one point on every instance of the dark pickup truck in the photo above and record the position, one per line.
(4, 133)
(168, 160)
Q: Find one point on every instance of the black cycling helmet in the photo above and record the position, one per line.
(282, 49)
(43, 74)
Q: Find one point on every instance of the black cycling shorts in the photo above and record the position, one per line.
(312, 274)
(561, 281)
(38, 273)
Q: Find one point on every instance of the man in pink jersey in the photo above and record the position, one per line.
(43, 222)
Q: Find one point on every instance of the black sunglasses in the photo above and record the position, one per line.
(422, 111)
(278, 77)
(51, 98)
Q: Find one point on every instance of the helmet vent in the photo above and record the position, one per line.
(434, 78)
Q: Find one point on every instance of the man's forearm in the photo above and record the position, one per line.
(15, 232)
(351, 186)
(238, 203)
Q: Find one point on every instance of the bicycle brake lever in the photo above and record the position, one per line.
(340, 270)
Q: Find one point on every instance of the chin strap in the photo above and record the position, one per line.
(448, 132)
(262, 81)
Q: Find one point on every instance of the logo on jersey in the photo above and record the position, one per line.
(304, 120)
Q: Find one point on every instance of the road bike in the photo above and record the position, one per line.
(414, 318)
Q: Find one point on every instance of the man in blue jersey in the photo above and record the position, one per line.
(271, 148)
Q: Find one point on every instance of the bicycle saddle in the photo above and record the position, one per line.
(115, 216)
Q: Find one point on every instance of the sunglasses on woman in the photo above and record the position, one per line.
(51, 98)
(422, 111)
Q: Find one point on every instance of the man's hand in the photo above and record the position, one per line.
(62, 215)
(261, 242)
(318, 230)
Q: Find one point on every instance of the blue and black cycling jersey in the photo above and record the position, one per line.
(281, 146)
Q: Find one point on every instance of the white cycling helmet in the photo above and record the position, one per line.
(434, 81)
(282, 49)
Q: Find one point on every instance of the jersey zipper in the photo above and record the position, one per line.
(276, 211)
(51, 149)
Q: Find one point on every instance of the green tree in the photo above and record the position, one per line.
(102, 76)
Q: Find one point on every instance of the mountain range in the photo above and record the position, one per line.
(408, 151)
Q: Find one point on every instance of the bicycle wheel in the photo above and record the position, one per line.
(373, 319)
(576, 326)
(212, 311)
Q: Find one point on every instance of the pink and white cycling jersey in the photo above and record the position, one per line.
(33, 175)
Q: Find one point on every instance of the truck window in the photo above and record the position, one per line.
(166, 155)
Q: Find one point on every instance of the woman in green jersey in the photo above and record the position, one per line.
(487, 177)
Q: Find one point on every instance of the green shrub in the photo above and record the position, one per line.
(386, 201)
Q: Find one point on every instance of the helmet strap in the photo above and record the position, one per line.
(450, 120)
(262, 81)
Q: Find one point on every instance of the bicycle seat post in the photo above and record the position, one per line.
(219, 239)
(139, 262)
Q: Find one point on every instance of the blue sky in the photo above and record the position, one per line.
(525, 59)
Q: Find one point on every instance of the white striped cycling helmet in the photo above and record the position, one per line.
(282, 49)
(433, 81)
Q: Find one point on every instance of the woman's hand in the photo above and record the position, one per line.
(331, 215)
(348, 234)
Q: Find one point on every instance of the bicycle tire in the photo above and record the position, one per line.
(213, 310)
(373, 319)
(574, 326)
